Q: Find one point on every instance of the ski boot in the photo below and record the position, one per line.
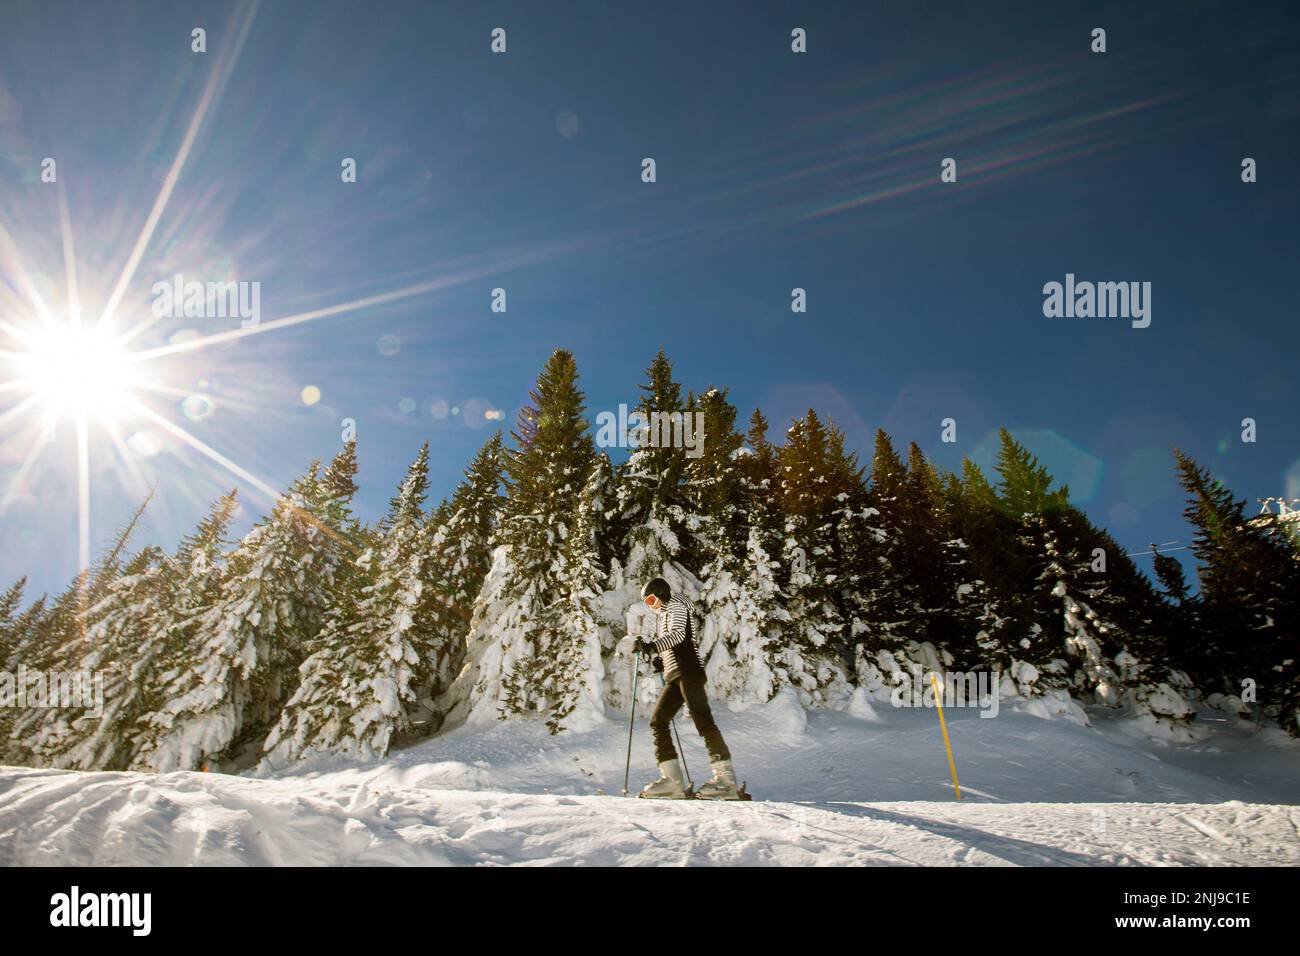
(669, 786)
(723, 785)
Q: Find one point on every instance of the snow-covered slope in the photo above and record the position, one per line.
(833, 788)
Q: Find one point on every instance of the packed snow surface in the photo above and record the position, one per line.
(870, 785)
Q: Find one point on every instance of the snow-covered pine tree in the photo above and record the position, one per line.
(883, 612)
(359, 679)
(1249, 581)
(743, 618)
(713, 522)
(867, 591)
(816, 477)
(123, 639)
(458, 538)
(650, 517)
(571, 679)
(191, 583)
(1169, 572)
(279, 584)
(317, 718)
(759, 474)
(1179, 613)
(509, 633)
(53, 640)
(1109, 616)
(1087, 616)
(733, 524)
(22, 635)
(935, 559)
(1092, 642)
(193, 579)
(988, 599)
(52, 643)
(1025, 492)
(760, 505)
(440, 515)
(10, 602)
(710, 477)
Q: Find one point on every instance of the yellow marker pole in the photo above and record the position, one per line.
(938, 702)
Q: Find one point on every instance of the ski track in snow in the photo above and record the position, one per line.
(832, 789)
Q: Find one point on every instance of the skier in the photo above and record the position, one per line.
(683, 680)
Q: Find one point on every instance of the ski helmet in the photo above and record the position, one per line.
(659, 588)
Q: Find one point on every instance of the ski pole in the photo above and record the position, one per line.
(689, 782)
(636, 671)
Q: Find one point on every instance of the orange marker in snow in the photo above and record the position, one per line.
(938, 702)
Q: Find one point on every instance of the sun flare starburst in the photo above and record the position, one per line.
(104, 378)
(79, 370)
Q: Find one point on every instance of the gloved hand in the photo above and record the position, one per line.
(648, 649)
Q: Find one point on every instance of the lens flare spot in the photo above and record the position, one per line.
(566, 123)
(197, 407)
(477, 412)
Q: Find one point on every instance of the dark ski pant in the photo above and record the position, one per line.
(691, 690)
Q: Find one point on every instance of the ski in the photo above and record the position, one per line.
(688, 795)
(691, 794)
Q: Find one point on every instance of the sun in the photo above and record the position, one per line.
(79, 370)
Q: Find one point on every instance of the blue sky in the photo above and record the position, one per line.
(775, 170)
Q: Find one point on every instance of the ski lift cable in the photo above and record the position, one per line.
(1159, 550)
(1163, 548)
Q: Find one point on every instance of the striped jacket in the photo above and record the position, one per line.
(676, 641)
